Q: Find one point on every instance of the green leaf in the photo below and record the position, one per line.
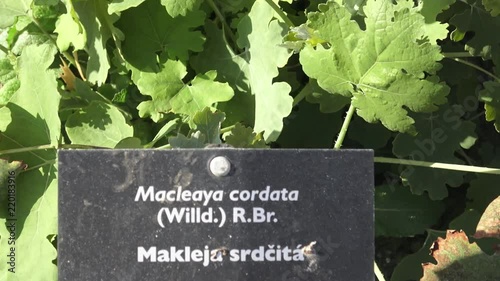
(430, 9)
(94, 19)
(307, 127)
(368, 65)
(493, 6)
(260, 34)
(176, 8)
(161, 86)
(410, 267)
(482, 24)
(244, 137)
(116, 6)
(34, 113)
(440, 136)
(467, 221)
(490, 95)
(203, 91)
(197, 140)
(231, 68)
(10, 10)
(70, 30)
(161, 33)
(373, 136)
(399, 213)
(99, 124)
(208, 123)
(9, 82)
(457, 259)
(167, 128)
(328, 103)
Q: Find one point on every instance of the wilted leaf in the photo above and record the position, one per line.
(457, 259)
(489, 225)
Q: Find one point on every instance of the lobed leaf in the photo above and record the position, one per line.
(99, 124)
(34, 121)
(457, 259)
(369, 66)
(399, 213)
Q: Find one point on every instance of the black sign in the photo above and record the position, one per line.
(215, 215)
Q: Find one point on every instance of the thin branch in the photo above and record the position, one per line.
(477, 67)
(48, 162)
(78, 66)
(436, 165)
(458, 55)
(280, 13)
(378, 273)
(227, 129)
(4, 49)
(345, 126)
(27, 149)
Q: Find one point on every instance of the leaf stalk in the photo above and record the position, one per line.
(345, 126)
(437, 165)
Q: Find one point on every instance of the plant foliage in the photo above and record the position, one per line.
(416, 80)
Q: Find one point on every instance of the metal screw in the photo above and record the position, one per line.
(220, 166)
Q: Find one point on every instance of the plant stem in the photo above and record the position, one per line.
(27, 149)
(378, 273)
(437, 165)
(477, 67)
(302, 94)
(48, 162)
(4, 49)
(221, 17)
(458, 55)
(81, 146)
(280, 12)
(345, 126)
(227, 129)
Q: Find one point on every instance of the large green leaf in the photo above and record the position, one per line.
(231, 68)
(161, 86)
(35, 121)
(99, 124)
(399, 213)
(202, 92)
(144, 39)
(11, 9)
(170, 94)
(260, 34)
(440, 136)
(483, 25)
(493, 6)
(369, 66)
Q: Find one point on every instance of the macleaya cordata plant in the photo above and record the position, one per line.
(417, 81)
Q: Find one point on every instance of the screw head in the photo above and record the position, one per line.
(220, 166)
